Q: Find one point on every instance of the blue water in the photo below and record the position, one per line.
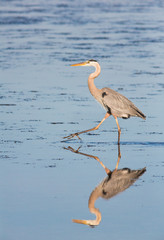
(43, 186)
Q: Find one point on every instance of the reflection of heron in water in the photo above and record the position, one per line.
(116, 181)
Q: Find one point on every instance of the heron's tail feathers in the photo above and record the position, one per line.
(140, 114)
(137, 173)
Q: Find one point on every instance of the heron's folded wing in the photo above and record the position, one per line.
(119, 104)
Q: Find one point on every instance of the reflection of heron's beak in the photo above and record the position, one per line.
(78, 64)
(80, 221)
(91, 223)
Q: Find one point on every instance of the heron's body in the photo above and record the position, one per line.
(114, 103)
(118, 105)
(116, 182)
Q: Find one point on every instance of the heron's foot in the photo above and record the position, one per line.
(72, 136)
(72, 149)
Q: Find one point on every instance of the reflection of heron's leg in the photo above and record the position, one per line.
(119, 129)
(89, 130)
(88, 155)
(119, 157)
(106, 169)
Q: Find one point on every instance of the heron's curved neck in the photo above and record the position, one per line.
(92, 88)
(91, 204)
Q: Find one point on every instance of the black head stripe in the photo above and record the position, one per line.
(104, 94)
(92, 60)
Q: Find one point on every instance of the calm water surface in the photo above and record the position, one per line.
(43, 186)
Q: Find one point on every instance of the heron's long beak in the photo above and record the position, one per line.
(78, 64)
(80, 221)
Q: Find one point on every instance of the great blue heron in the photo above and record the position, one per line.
(114, 103)
(116, 182)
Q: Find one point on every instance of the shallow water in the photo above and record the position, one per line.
(43, 185)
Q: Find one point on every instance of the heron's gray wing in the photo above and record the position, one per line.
(119, 181)
(119, 105)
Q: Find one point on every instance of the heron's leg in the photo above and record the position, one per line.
(107, 170)
(88, 155)
(119, 157)
(89, 130)
(119, 129)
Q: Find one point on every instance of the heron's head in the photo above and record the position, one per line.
(90, 223)
(87, 63)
